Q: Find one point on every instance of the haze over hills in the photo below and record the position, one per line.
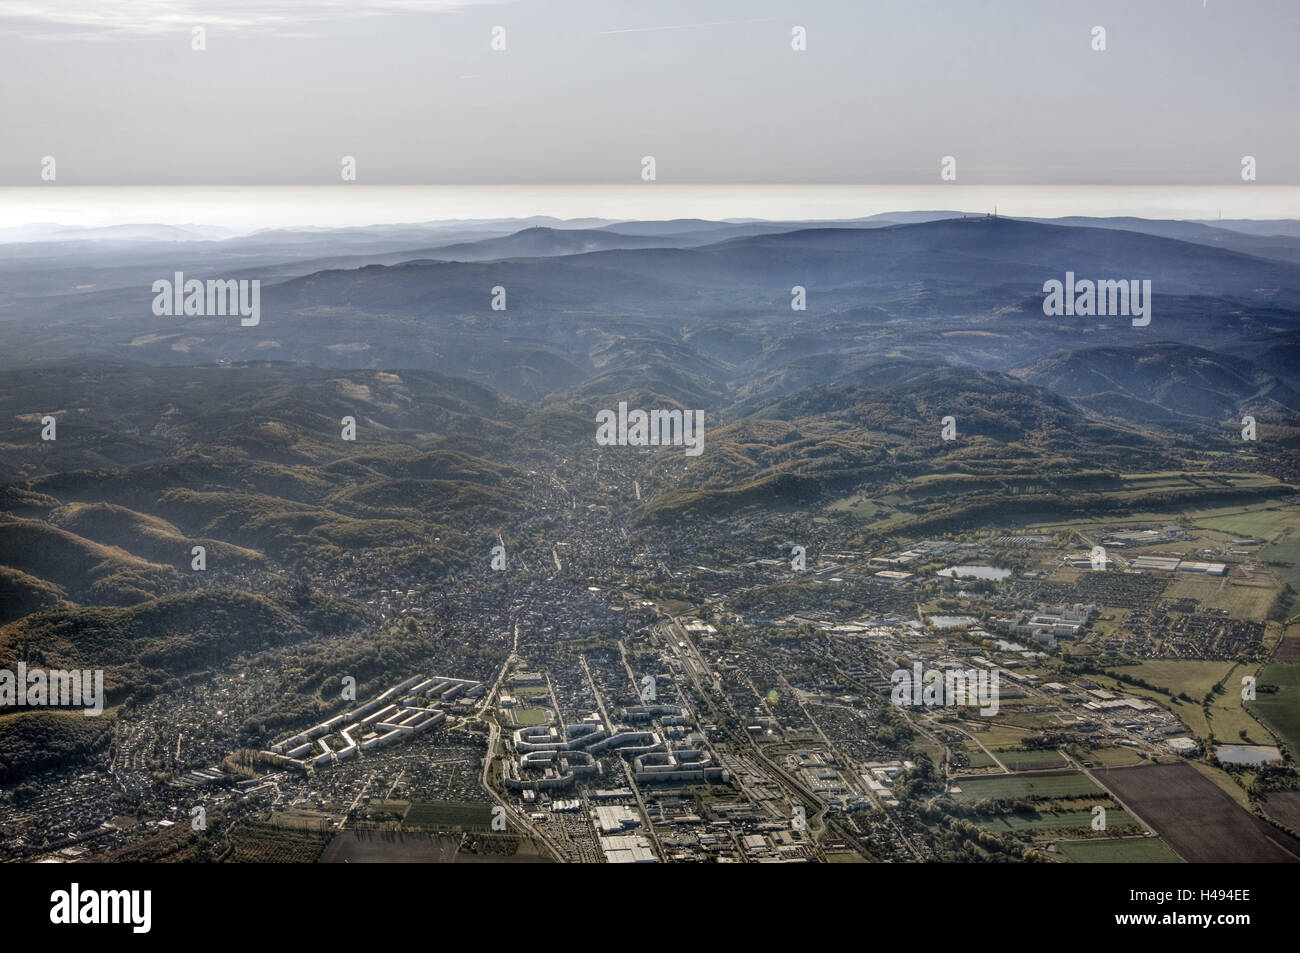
(693, 313)
(947, 291)
(892, 310)
(1281, 244)
(1184, 381)
(474, 430)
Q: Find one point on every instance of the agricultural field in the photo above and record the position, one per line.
(1178, 675)
(1227, 715)
(1288, 649)
(1280, 710)
(1283, 807)
(1262, 521)
(1127, 850)
(391, 847)
(449, 816)
(254, 843)
(995, 734)
(1029, 787)
(301, 820)
(1030, 760)
(1225, 782)
(1242, 599)
(1113, 757)
(1197, 819)
(1284, 550)
(1048, 822)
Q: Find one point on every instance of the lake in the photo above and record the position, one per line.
(1247, 754)
(976, 572)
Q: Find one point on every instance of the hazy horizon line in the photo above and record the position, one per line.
(248, 209)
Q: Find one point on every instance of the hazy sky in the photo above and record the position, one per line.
(711, 88)
(248, 208)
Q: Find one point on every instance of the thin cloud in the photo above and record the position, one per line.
(149, 17)
(687, 26)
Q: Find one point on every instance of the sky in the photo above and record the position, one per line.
(584, 89)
